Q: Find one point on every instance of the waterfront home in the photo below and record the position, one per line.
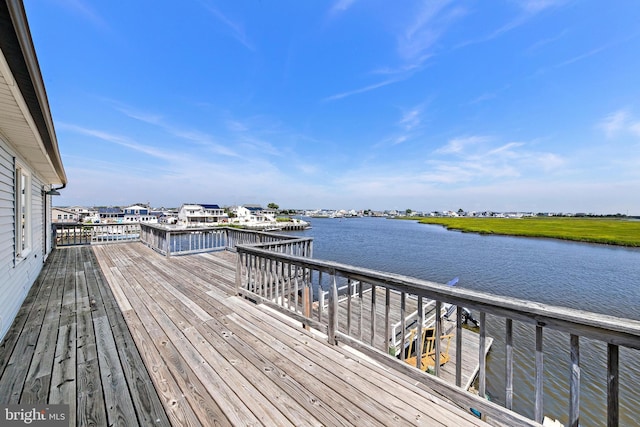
(139, 213)
(31, 168)
(110, 215)
(251, 216)
(62, 215)
(168, 217)
(82, 212)
(196, 215)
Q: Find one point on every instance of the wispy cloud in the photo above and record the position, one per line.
(547, 41)
(237, 30)
(411, 119)
(619, 123)
(83, 9)
(194, 136)
(340, 6)
(529, 9)
(477, 159)
(361, 90)
(417, 41)
(117, 139)
(459, 145)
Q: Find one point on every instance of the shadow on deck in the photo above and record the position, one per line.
(126, 336)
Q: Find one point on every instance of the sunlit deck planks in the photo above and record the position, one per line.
(190, 353)
(216, 358)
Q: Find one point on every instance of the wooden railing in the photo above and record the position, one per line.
(178, 241)
(287, 282)
(86, 234)
(183, 241)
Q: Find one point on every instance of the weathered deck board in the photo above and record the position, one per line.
(256, 367)
(70, 344)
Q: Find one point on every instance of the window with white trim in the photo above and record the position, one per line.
(23, 210)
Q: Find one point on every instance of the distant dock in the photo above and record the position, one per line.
(397, 340)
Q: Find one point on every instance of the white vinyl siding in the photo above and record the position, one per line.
(18, 273)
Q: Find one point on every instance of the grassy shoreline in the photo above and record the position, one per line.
(619, 232)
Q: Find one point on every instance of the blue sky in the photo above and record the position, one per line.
(529, 105)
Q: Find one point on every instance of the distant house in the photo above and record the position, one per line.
(62, 215)
(82, 212)
(110, 215)
(193, 215)
(139, 213)
(251, 215)
(30, 165)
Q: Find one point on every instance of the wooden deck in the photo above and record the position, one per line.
(201, 357)
(70, 345)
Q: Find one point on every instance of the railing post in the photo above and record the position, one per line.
(333, 311)
(167, 244)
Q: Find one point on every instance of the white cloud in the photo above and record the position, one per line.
(237, 30)
(458, 145)
(82, 8)
(362, 90)
(529, 10)
(341, 5)
(429, 24)
(411, 119)
(616, 123)
(119, 140)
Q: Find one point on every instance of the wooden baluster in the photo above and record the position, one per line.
(419, 337)
(361, 308)
(296, 288)
(373, 315)
(539, 410)
(403, 323)
(387, 315)
(612, 385)
(509, 363)
(574, 380)
(333, 311)
(482, 374)
(438, 334)
(459, 346)
(238, 273)
(349, 284)
(320, 297)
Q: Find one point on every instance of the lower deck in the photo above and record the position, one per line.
(121, 333)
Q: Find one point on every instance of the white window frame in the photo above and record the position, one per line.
(23, 211)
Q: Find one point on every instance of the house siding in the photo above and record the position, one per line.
(18, 274)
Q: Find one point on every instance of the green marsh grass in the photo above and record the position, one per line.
(622, 232)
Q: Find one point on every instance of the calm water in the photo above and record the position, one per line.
(597, 278)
